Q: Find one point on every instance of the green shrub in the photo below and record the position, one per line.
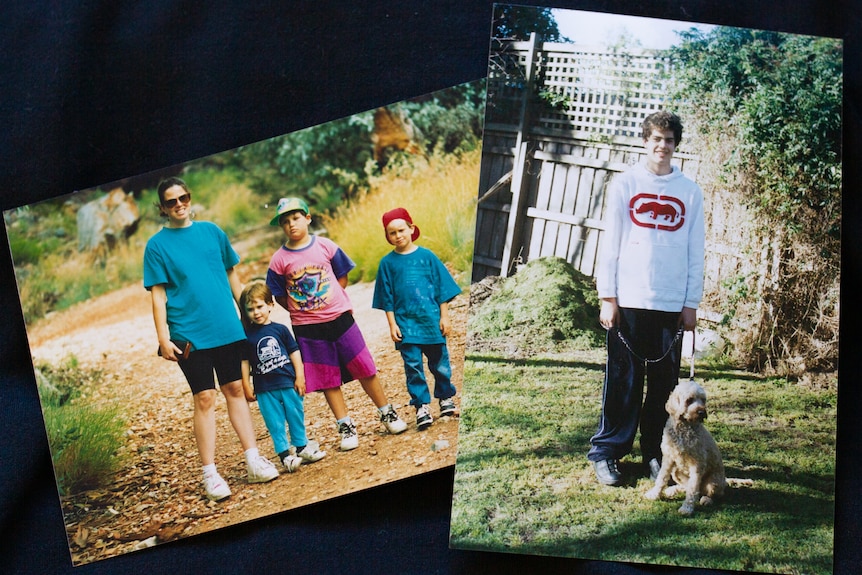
(25, 250)
(84, 443)
(83, 438)
(58, 384)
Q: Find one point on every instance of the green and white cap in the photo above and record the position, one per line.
(286, 205)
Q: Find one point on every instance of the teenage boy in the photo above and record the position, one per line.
(650, 282)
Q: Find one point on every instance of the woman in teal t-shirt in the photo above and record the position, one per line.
(189, 271)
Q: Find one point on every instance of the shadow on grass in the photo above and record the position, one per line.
(523, 424)
(703, 372)
(539, 362)
(720, 372)
(692, 541)
(775, 473)
(520, 424)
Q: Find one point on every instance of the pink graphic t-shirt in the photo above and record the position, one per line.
(308, 277)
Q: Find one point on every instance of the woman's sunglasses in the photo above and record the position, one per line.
(183, 199)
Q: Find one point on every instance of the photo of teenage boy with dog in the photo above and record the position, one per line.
(644, 308)
(647, 223)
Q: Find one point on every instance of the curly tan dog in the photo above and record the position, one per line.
(689, 454)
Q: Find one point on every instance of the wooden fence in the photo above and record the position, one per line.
(545, 169)
(563, 196)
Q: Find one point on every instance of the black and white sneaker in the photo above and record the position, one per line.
(390, 419)
(447, 407)
(423, 417)
(349, 438)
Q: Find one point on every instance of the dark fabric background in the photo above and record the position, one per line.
(93, 91)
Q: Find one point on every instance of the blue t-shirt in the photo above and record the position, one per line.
(192, 263)
(413, 286)
(268, 354)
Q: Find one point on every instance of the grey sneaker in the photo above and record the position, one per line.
(447, 407)
(608, 472)
(423, 417)
(349, 439)
(390, 419)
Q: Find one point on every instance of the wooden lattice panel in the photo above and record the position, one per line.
(608, 94)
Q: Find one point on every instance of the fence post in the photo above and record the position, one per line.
(517, 212)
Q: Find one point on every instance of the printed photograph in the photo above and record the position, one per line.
(652, 341)
(256, 330)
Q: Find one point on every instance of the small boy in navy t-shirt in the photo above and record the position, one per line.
(274, 360)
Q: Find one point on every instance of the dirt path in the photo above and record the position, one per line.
(156, 496)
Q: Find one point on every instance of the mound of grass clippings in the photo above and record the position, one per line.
(546, 306)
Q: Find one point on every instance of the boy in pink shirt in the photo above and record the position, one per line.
(307, 276)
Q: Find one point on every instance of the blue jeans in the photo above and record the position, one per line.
(438, 365)
(280, 406)
(624, 407)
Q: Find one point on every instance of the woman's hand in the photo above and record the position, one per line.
(170, 351)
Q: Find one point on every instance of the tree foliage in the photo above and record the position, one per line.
(772, 103)
(780, 96)
(331, 163)
(518, 22)
(512, 24)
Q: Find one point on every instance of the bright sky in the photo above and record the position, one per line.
(598, 28)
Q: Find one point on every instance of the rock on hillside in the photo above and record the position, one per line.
(547, 306)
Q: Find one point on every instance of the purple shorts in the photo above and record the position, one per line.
(333, 353)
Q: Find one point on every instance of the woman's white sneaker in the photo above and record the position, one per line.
(261, 470)
(216, 487)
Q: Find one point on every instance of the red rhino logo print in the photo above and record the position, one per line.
(657, 209)
(660, 213)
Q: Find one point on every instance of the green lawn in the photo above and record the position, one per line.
(523, 483)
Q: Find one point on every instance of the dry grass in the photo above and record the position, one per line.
(440, 195)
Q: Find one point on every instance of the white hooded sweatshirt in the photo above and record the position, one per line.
(652, 249)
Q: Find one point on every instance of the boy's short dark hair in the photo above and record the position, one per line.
(662, 121)
(256, 290)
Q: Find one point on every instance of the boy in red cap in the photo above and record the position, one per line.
(414, 288)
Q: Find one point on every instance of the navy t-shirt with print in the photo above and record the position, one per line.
(268, 353)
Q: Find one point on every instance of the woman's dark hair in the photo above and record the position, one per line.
(170, 183)
(164, 185)
(662, 121)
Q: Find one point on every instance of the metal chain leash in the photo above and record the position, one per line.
(625, 342)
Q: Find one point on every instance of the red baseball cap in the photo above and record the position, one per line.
(400, 214)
